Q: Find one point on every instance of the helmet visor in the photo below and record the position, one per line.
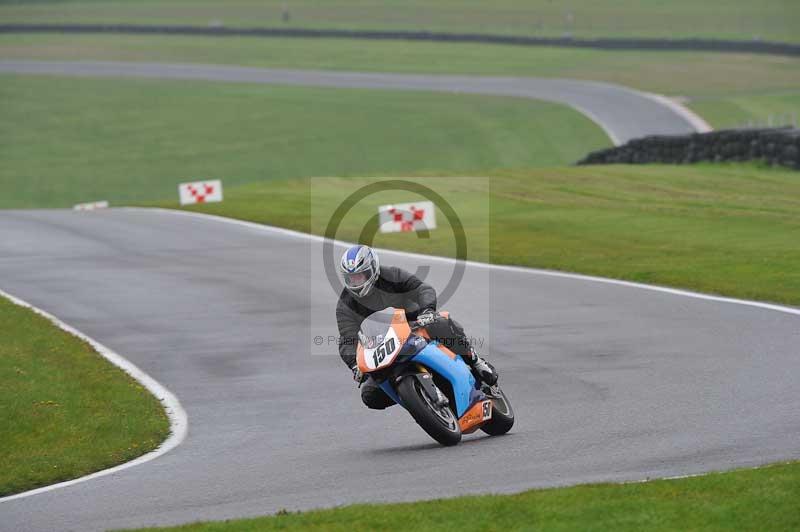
(356, 280)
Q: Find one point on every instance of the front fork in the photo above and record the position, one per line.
(425, 379)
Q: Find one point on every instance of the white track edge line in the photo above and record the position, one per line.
(696, 121)
(615, 140)
(178, 420)
(713, 472)
(501, 267)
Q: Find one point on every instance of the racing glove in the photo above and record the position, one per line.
(427, 317)
(358, 376)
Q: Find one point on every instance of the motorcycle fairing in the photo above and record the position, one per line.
(454, 370)
(477, 415)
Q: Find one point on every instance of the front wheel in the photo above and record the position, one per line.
(502, 413)
(439, 422)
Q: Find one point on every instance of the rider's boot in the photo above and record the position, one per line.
(482, 370)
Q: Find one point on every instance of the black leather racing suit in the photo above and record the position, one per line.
(400, 289)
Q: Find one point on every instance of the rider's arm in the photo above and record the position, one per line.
(423, 294)
(349, 323)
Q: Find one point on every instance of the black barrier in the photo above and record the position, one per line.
(776, 146)
(608, 43)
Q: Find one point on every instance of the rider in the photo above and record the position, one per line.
(369, 288)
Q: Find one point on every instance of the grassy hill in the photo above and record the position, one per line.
(63, 141)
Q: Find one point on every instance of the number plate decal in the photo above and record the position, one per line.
(383, 353)
(487, 410)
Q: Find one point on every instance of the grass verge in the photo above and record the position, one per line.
(759, 109)
(728, 229)
(732, 19)
(65, 411)
(753, 499)
(64, 141)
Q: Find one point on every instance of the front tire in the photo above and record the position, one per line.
(440, 423)
(502, 413)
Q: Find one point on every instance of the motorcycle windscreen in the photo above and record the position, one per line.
(380, 340)
(375, 327)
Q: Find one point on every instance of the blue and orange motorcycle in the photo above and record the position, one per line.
(432, 382)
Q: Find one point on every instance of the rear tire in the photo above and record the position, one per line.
(502, 413)
(441, 425)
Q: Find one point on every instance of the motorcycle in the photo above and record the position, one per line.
(432, 382)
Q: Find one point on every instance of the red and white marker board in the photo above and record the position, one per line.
(404, 217)
(200, 192)
(91, 206)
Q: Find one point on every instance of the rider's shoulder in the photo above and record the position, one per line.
(393, 274)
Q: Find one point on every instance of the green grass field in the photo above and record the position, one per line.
(754, 499)
(677, 73)
(64, 410)
(63, 141)
(770, 109)
(727, 89)
(723, 229)
(730, 19)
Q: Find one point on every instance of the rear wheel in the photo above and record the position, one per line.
(438, 421)
(502, 413)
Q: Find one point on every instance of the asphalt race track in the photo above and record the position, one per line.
(610, 382)
(623, 113)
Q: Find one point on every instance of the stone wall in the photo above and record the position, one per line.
(776, 146)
